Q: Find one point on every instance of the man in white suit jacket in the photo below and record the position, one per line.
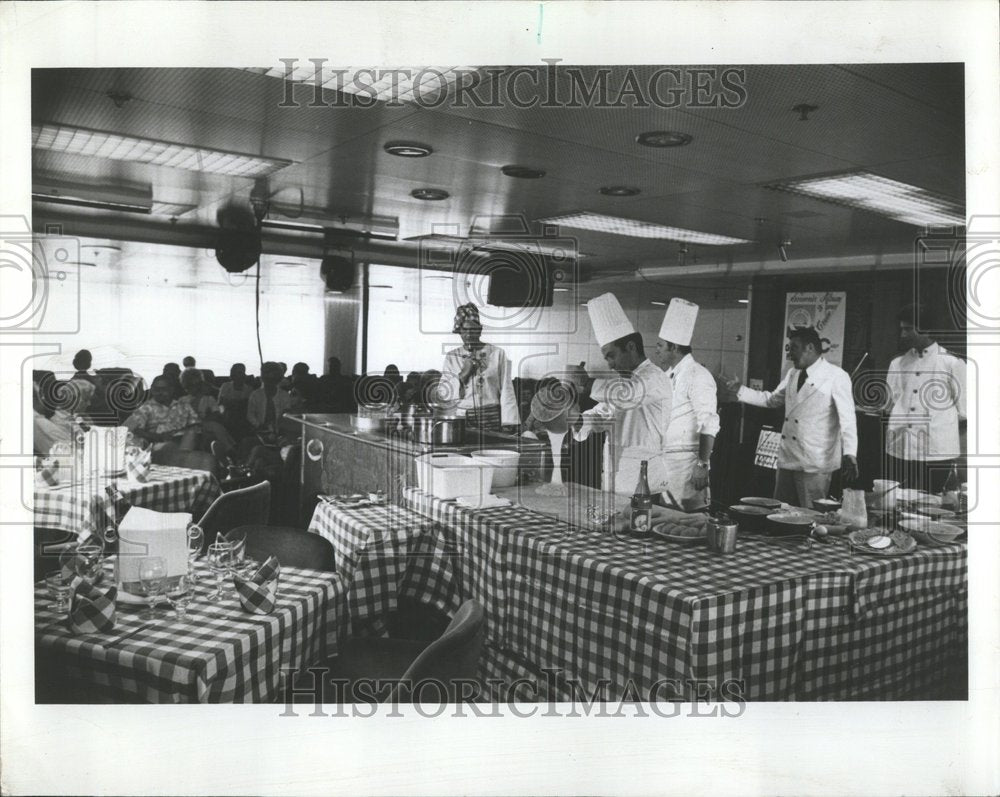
(820, 431)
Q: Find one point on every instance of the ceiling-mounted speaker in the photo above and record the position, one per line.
(238, 250)
(239, 243)
(337, 272)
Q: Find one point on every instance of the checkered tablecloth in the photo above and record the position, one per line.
(218, 654)
(81, 507)
(385, 552)
(773, 620)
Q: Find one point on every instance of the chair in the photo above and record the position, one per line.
(180, 458)
(249, 506)
(454, 655)
(293, 547)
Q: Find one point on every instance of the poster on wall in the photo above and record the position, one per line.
(823, 310)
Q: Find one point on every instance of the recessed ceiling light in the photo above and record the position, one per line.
(429, 194)
(743, 301)
(522, 172)
(866, 191)
(663, 138)
(408, 149)
(101, 144)
(616, 225)
(561, 290)
(659, 304)
(619, 190)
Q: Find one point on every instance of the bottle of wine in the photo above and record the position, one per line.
(642, 505)
(949, 493)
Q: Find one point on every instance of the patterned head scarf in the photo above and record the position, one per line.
(466, 313)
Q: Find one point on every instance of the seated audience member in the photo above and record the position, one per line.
(336, 390)
(268, 402)
(51, 425)
(188, 362)
(305, 382)
(161, 420)
(206, 408)
(234, 396)
(84, 381)
(172, 371)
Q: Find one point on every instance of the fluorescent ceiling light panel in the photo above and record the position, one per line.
(615, 225)
(101, 144)
(171, 208)
(866, 191)
(400, 84)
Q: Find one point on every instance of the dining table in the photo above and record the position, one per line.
(81, 506)
(217, 653)
(574, 610)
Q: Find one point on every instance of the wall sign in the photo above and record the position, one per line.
(825, 311)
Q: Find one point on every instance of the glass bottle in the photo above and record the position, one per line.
(640, 519)
(949, 493)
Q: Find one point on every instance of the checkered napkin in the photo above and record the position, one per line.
(137, 465)
(91, 610)
(47, 472)
(259, 593)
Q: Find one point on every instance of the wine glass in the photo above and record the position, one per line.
(179, 597)
(60, 586)
(152, 577)
(219, 559)
(195, 542)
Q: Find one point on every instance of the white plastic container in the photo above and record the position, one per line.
(503, 462)
(451, 475)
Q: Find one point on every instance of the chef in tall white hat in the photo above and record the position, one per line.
(630, 404)
(691, 421)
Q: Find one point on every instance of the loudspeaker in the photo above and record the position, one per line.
(238, 250)
(337, 272)
(518, 281)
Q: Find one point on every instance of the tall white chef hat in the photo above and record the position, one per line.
(608, 319)
(678, 323)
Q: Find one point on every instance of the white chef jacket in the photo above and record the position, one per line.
(691, 412)
(820, 422)
(928, 399)
(491, 386)
(633, 407)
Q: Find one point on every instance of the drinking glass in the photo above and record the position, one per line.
(152, 577)
(219, 559)
(195, 542)
(60, 586)
(180, 596)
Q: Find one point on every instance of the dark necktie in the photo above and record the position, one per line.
(802, 379)
(269, 412)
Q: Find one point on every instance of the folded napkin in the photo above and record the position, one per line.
(259, 593)
(47, 472)
(91, 610)
(481, 502)
(137, 465)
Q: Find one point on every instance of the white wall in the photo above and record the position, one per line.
(410, 324)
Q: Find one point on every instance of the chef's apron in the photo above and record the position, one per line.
(680, 466)
(627, 468)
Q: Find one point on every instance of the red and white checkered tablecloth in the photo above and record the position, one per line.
(384, 552)
(781, 621)
(81, 507)
(218, 654)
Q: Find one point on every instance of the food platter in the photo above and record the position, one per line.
(868, 541)
(681, 532)
(928, 532)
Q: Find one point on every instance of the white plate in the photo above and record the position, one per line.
(929, 532)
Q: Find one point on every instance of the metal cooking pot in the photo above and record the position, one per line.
(366, 423)
(439, 431)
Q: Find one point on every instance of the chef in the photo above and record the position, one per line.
(820, 432)
(691, 420)
(476, 377)
(630, 406)
(927, 386)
